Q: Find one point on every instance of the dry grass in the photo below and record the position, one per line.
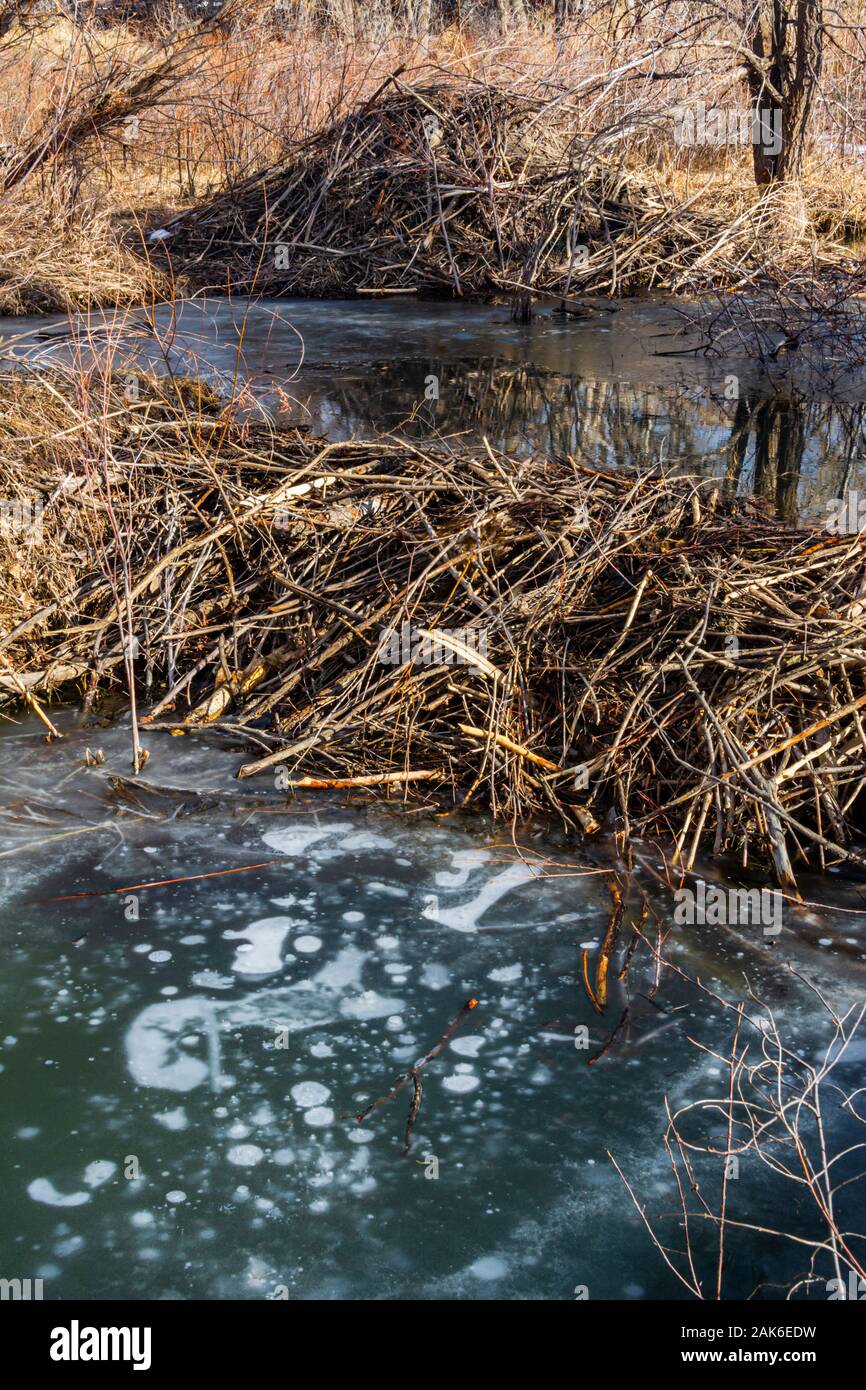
(244, 100)
(53, 260)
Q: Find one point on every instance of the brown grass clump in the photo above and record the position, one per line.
(57, 260)
(837, 205)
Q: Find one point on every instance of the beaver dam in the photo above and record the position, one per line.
(445, 625)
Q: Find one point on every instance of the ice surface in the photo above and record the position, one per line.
(265, 938)
(299, 994)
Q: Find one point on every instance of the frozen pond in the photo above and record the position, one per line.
(182, 1064)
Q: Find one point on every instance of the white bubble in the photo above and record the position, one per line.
(319, 1117)
(212, 979)
(307, 945)
(245, 1155)
(461, 1083)
(173, 1119)
(43, 1190)
(72, 1245)
(99, 1172)
(506, 973)
(435, 976)
(488, 1268)
(309, 1093)
(175, 1196)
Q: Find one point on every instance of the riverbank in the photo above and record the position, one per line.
(444, 624)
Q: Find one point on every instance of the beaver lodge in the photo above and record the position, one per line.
(470, 191)
(446, 625)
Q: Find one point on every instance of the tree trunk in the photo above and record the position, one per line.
(786, 39)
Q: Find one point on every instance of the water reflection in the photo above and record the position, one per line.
(621, 386)
(794, 453)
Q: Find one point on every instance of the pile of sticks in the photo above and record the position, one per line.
(446, 623)
(453, 190)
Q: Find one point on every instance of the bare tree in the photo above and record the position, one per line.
(784, 45)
